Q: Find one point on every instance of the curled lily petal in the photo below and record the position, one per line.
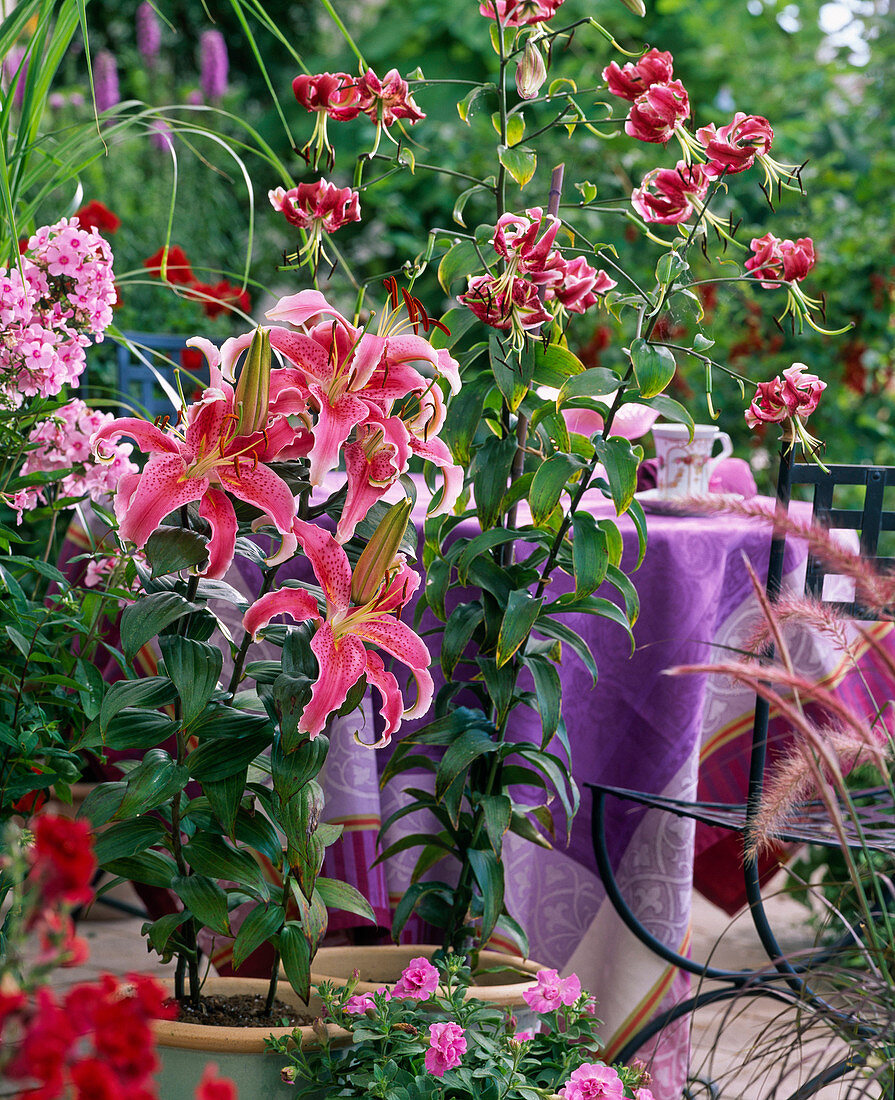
(147, 436)
(306, 306)
(297, 603)
(392, 706)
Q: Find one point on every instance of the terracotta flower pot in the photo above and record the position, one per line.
(502, 979)
(184, 1049)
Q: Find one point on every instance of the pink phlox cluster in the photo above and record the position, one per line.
(669, 196)
(447, 1045)
(66, 295)
(631, 80)
(418, 981)
(795, 395)
(777, 261)
(519, 13)
(592, 1081)
(735, 146)
(643, 1094)
(552, 991)
(64, 441)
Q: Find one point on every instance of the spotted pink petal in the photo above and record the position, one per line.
(163, 487)
(297, 603)
(395, 380)
(217, 509)
(392, 707)
(365, 358)
(147, 436)
(288, 391)
(256, 484)
(395, 638)
(329, 562)
(310, 357)
(334, 424)
(342, 663)
(436, 451)
(449, 368)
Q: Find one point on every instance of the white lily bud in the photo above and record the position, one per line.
(531, 72)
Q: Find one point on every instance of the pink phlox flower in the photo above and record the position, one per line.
(633, 79)
(447, 1045)
(520, 13)
(643, 1094)
(668, 196)
(340, 640)
(418, 981)
(388, 99)
(735, 146)
(658, 112)
(203, 462)
(524, 1036)
(552, 991)
(777, 261)
(592, 1081)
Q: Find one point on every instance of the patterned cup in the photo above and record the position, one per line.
(684, 468)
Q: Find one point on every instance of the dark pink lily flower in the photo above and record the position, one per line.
(526, 240)
(658, 112)
(668, 195)
(341, 638)
(578, 284)
(734, 147)
(632, 80)
(329, 95)
(509, 305)
(795, 395)
(777, 261)
(520, 13)
(388, 99)
(319, 207)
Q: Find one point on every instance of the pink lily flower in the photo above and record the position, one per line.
(204, 462)
(668, 195)
(349, 375)
(340, 640)
(658, 113)
(734, 147)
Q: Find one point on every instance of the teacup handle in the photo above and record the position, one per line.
(726, 450)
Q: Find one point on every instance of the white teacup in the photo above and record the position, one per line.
(683, 467)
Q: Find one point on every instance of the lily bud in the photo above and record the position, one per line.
(531, 72)
(379, 553)
(253, 385)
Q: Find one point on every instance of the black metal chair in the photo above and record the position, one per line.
(872, 826)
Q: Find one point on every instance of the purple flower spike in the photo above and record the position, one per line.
(13, 61)
(105, 81)
(149, 33)
(215, 66)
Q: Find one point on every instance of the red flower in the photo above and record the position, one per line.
(317, 206)
(221, 297)
(62, 860)
(95, 215)
(94, 1080)
(519, 13)
(178, 268)
(212, 1087)
(633, 79)
(333, 94)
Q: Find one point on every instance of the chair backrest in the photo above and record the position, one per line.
(870, 519)
(139, 383)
